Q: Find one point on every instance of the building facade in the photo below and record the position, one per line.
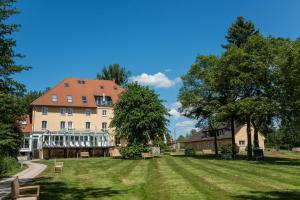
(72, 117)
(204, 140)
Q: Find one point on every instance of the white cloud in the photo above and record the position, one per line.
(175, 105)
(186, 123)
(174, 113)
(158, 80)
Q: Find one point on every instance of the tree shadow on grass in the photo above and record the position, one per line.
(268, 159)
(58, 190)
(274, 195)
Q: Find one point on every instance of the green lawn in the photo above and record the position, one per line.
(174, 177)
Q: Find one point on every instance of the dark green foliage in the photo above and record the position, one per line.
(134, 151)
(8, 164)
(114, 72)
(240, 31)
(28, 98)
(189, 152)
(227, 149)
(139, 115)
(10, 90)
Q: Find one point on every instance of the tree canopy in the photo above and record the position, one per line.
(139, 115)
(10, 90)
(114, 72)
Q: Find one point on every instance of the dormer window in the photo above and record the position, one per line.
(67, 85)
(81, 82)
(84, 99)
(115, 87)
(69, 99)
(53, 98)
(101, 87)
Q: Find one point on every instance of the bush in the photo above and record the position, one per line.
(8, 164)
(227, 149)
(134, 151)
(189, 152)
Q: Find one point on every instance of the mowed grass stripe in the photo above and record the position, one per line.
(200, 183)
(178, 186)
(232, 178)
(277, 182)
(154, 188)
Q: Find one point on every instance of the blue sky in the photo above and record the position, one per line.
(156, 40)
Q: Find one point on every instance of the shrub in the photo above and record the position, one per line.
(189, 152)
(134, 151)
(227, 149)
(7, 164)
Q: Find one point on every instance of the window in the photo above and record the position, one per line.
(67, 85)
(87, 112)
(242, 142)
(70, 111)
(70, 125)
(81, 82)
(87, 125)
(115, 88)
(62, 125)
(54, 98)
(44, 125)
(84, 100)
(69, 99)
(104, 113)
(23, 122)
(62, 111)
(104, 126)
(101, 87)
(44, 110)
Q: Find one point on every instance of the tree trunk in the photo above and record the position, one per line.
(233, 138)
(216, 143)
(249, 145)
(256, 142)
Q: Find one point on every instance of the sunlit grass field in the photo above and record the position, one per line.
(174, 177)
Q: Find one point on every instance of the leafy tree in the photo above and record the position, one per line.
(198, 96)
(10, 89)
(239, 32)
(114, 72)
(28, 98)
(139, 115)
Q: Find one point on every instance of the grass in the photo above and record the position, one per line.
(174, 177)
(12, 172)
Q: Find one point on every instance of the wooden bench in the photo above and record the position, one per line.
(146, 155)
(58, 166)
(16, 190)
(115, 153)
(296, 149)
(84, 154)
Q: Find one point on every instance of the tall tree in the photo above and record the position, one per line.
(139, 115)
(198, 96)
(10, 89)
(114, 72)
(239, 32)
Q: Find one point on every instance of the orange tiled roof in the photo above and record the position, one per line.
(90, 89)
(26, 128)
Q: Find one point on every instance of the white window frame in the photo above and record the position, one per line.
(70, 111)
(44, 127)
(88, 112)
(54, 98)
(69, 99)
(70, 123)
(102, 126)
(87, 127)
(84, 99)
(44, 110)
(60, 124)
(104, 113)
(242, 141)
(63, 111)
